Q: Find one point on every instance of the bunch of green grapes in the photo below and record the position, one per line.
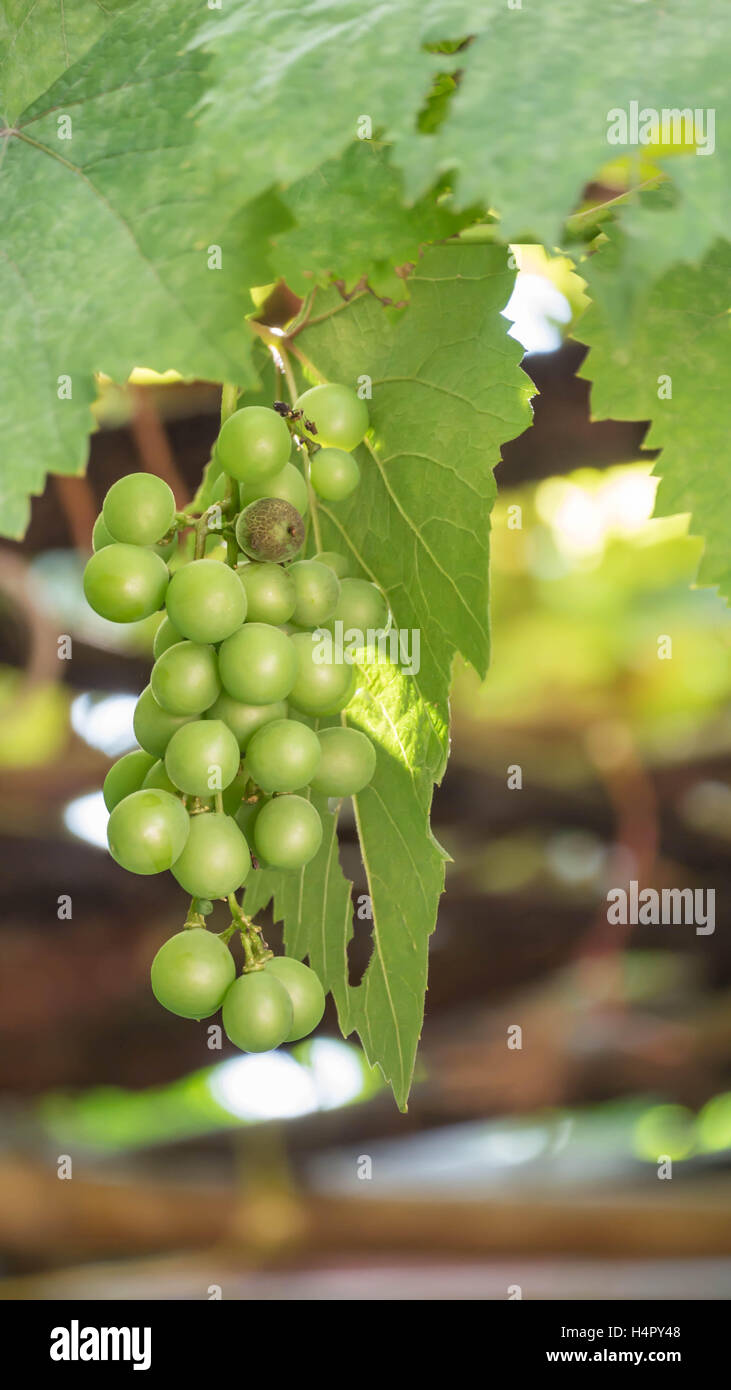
(227, 747)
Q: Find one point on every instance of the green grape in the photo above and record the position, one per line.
(320, 687)
(270, 592)
(125, 582)
(246, 816)
(153, 726)
(216, 548)
(147, 831)
(360, 607)
(244, 720)
(337, 562)
(166, 549)
(157, 777)
(270, 529)
(233, 793)
(192, 972)
(254, 444)
(125, 776)
(257, 1012)
(166, 636)
(139, 509)
(216, 859)
(283, 756)
(206, 601)
(317, 590)
(184, 679)
(347, 764)
(305, 991)
(339, 416)
(289, 485)
(100, 536)
(343, 700)
(202, 757)
(258, 664)
(287, 832)
(334, 474)
(219, 489)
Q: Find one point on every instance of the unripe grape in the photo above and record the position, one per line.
(166, 636)
(101, 536)
(166, 549)
(347, 763)
(218, 489)
(216, 858)
(334, 474)
(158, 777)
(244, 720)
(184, 679)
(206, 601)
(258, 664)
(283, 756)
(287, 832)
(339, 416)
(246, 815)
(270, 592)
(191, 973)
(360, 606)
(270, 529)
(320, 687)
(336, 562)
(126, 776)
(257, 1012)
(153, 726)
(305, 991)
(317, 589)
(147, 831)
(202, 757)
(139, 509)
(125, 583)
(254, 444)
(343, 700)
(289, 485)
(232, 795)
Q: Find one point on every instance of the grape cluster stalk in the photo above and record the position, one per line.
(228, 727)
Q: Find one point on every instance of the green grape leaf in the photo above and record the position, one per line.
(681, 345)
(644, 239)
(350, 222)
(39, 39)
(328, 73)
(447, 390)
(105, 261)
(528, 126)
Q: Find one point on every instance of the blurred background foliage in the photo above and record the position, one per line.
(292, 1175)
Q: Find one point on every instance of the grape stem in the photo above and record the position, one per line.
(313, 501)
(304, 448)
(289, 375)
(256, 951)
(194, 918)
(229, 394)
(202, 532)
